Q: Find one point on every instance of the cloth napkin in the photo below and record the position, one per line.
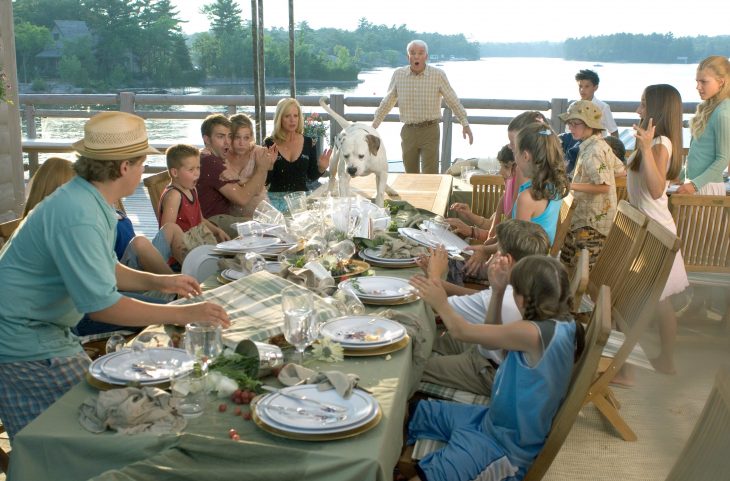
(131, 410)
(293, 374)
(311, 279)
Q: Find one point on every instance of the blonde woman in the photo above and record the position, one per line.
(296, 165)
(709, 149)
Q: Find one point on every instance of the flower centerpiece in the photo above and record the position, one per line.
(314, 126)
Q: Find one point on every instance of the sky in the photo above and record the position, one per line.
(493, 20)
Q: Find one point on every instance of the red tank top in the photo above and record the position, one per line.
(188, 214)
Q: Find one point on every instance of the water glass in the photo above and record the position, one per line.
(315, 248)
(250, 228)
(297, 304)
(116, 342)
(296, 201)
(253, 262)
(342, 251)
(189, 393)
(266, 213)
(466, 172)
(203, 341)
(348, 298)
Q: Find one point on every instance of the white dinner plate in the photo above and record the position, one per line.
(378, 287)
(361, 408)
(273, 267)
(451, 241)
(247, 243)
(374, 254)
(163, 362)
(95, 372)
(199, 263)
(363, 332)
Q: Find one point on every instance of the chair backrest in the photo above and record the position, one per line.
(705, 455)
(564, 218)
(155, 186)
(620, 249)
(486, 191)
(635, 299)
(583, 374)
(579, 281)
(703, 228)
(621, 192)
(7, 228)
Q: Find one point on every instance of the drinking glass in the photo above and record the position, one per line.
(315, 248)
(342, 251)
(189, 393)
(297, 305)
(203, 341)
(250, 228)
(296, 201)
(253, 262)
(466, 172)
(348, 298)
(268, 214)
(116, 342)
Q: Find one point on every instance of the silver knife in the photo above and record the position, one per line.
(324, 418)
(326, 407)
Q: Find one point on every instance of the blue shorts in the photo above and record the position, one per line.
(27, 388)
(469, 452)
(131, 260)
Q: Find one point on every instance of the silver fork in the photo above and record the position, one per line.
(321, 417)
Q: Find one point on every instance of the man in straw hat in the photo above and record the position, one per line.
(60, 263)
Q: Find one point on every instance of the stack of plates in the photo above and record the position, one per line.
(381, 290)
(453, 243)
(322, 417)
(373, 257)
(147, 367)
(230, 275)
(365, 335)
(247, 244)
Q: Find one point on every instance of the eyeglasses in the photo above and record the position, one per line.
(575, 123)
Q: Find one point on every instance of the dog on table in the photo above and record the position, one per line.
(358, 151)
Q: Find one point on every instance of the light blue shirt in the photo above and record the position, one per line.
(709, 153)
(548, 220)
(59, 264)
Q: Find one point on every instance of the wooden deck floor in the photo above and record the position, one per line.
(139, 210)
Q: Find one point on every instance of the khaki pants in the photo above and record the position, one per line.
(420, 148)
(461, 367)
(224, 221)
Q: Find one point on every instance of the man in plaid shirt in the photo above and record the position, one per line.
(418, 89)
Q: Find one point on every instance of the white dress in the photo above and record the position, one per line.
(658, 210)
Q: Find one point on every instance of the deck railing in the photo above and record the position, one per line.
(84, 105)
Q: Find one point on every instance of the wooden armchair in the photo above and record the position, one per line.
(486, 192)
(583, 374)
(579, 281)
(703, 228)
(155, 186)
(621, 192)
(7, 229)
(634, 306)
(620, 249)
(564, 218)
(705, 455)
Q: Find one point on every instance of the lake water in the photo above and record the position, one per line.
(491, 78)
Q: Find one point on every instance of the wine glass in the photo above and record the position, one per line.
(116, 342)
(203, 341)
(298, 307)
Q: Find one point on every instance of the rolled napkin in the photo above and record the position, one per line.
(293, 374)
(309, 278)
(131, 410)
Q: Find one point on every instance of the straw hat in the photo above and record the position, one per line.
(114, 136)
(585, 111)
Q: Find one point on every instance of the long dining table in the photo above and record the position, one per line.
(56, 446)
(424, 191)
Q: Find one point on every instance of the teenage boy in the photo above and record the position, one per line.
(217, 194)
(587, 85)
(472, 367)
(179, 202)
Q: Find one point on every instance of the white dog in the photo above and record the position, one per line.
(358, 151)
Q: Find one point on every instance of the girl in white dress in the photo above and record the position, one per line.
(656, 161)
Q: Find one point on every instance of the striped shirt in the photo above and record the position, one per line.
(419, 97)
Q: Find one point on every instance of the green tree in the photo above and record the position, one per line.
(45, 12)
(224, 16)
(30, 40)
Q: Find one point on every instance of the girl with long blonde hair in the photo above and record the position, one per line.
(709, 149)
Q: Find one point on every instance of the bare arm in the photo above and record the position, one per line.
(590, 188)
(653, 159)
(131, 312)
(241, 194)
(170, 207)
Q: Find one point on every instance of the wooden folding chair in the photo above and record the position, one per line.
(705, 455)
(7, 229)
(155, 186)
(634, 306)
(486, 192)
(4, 459)
(621, 192)
(703, 228)
(620, 249)
(564, 218)
(583, 374)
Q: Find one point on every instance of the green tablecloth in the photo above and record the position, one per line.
(460, 192)
(55, 446)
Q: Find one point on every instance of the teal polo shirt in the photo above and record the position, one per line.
(59, 264)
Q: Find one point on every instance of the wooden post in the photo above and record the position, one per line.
(126, 102)
(292, 59)
(557, 107)
(446, 133)
(337, 103)
(12, 186)
(262, 71)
